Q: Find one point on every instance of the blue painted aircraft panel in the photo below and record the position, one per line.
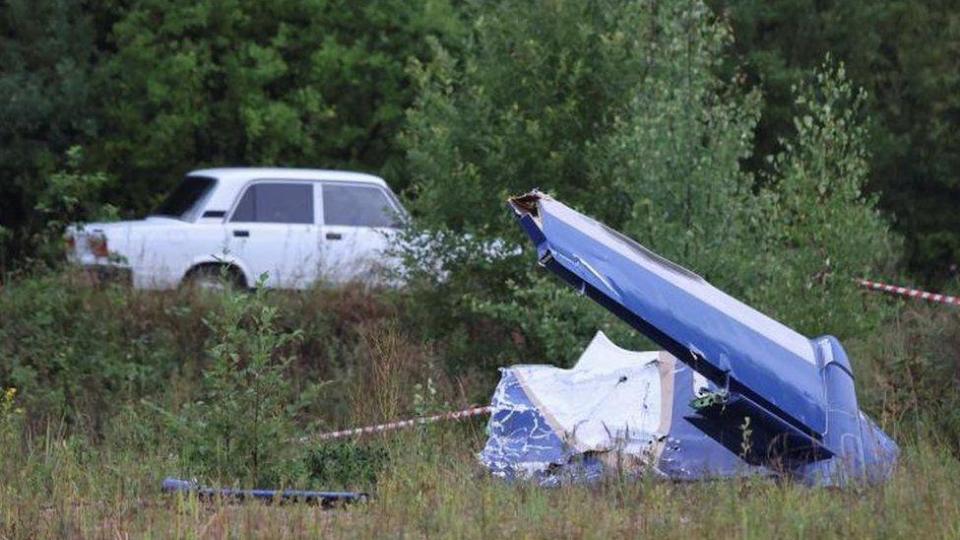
(798, 392)
(754, 353)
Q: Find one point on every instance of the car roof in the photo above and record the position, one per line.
(241, 175)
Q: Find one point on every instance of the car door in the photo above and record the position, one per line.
(359, 221)
(274, 230)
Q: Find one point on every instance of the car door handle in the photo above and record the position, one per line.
(334, 236)
(241, 234)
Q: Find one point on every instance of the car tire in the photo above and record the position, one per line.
(215, 278)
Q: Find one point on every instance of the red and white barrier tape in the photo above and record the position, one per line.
(478, 411)
(910, 293)
(400, 424)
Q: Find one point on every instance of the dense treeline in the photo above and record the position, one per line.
(621, 108)
(152, 88)
(906, 54)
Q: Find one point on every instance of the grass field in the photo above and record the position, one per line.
(111, 382)
(433, 488)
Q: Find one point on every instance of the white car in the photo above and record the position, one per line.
(296, 226)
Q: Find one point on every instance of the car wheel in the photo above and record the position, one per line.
(214, 278)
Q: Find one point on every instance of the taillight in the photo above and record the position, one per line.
(70, 242)
(98, 245)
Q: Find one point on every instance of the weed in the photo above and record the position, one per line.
(746, 438)
(346, 464)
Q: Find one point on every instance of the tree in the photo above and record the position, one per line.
(47, 51)
(822, 230)
(240, 82)
(618, 109)
(905, 54)
(614, 107)
(242, 427)
(536, 85)
(676, 152)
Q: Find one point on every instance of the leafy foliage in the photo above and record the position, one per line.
(70, 196)
(631, 111)
(75, 351)
(47, 50)
(908, 374)
(676, 153)
(905, 54)
(346, 463)
(154, 88)
(662, 162)
(612, 107)
(822, 230)
(536, 85)
(242, 426)
(319, 83)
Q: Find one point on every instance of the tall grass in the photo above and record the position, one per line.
(86, 439)
(433, 488)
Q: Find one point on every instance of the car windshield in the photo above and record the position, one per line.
(401, 217)
(185, 201)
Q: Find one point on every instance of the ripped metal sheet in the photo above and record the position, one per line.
(794, 397)
(615, 411)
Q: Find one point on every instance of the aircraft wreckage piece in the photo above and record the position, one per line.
(323, 498)
(749, 395)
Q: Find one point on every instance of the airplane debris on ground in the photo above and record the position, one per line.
(733, 392)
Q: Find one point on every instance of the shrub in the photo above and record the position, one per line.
(11, 417)
(346, 464)
(819, 229)
(908, 371)
(78, 352)
(243, 425)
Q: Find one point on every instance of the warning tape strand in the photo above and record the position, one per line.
(909, 293)
(478, 411)
(400, 424)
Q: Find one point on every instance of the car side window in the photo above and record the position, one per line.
(274, 202)
(357, 206)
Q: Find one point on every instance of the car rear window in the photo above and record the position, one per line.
(275, 202)
(357, 206)
(184, 201)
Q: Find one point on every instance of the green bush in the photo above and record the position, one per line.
(347, 464)
(69, 195)
(908, 371)
(226, 382)
(79, 352)
(655, 150)
(819, 229)
(242, 425)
